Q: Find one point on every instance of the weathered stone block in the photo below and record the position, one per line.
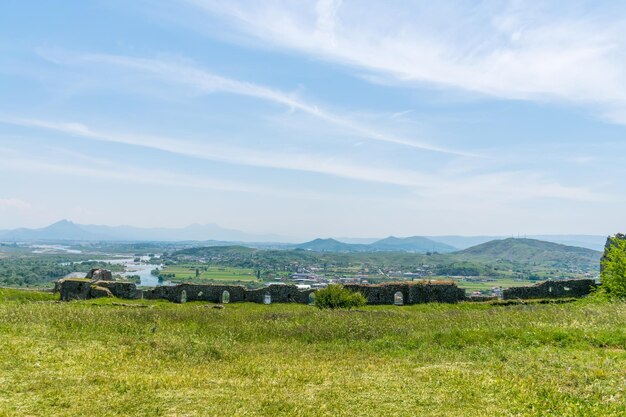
(97, 291)
(100, 274)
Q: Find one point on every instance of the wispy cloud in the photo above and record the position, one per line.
(276, 159)
(185, 73)
(510, 50)
(445, 188)
(124, 174)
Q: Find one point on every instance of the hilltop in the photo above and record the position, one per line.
(331, 245)
(411, 244)
(530, 251)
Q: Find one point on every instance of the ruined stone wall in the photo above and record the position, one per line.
(211, 293)
(84, 289)
(412, 293)
(74, 289)
(435, 293)
(551, 289)
(122, 289)
(161, 293)
(236, 293)
(279, 294)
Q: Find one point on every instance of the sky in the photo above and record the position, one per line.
(315, 118)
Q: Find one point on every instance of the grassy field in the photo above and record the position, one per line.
(186, 272)
(99, 359)
(472, 285)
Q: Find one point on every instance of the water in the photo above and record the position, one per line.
(145, 273)
(53, 249)
(142, 269)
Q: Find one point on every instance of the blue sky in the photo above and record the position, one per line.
(315, 118)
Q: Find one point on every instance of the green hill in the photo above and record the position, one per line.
(417, 244)
(331, 245)
(530, 251)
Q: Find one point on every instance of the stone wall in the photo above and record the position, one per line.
(392, 293)
(197, 292)
(551, 289)
(279, 294)
(236, 293)
(412, 292)
(84, 289)
(74, 289)
(122, 289)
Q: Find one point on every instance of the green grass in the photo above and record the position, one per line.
(472, 359)
(470, 286)
(188, 272)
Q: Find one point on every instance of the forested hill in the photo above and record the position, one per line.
(530, 251)
(502, 253)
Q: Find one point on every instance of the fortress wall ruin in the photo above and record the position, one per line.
(574, 288)
(380, 294)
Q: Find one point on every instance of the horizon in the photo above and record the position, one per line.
(293, 240)
(327, 118)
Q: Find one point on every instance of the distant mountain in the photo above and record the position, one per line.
(595, 242)
(416, 244)
(193, 232)
(530, 251)
(213, 234)
(331, 245)
(61, 230)
(358, 240)
(66, 230)
(463, 242)
(411, 244)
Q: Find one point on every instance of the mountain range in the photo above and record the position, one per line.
(66, 230)
(409, 244)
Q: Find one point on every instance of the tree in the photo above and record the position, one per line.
(613, 275)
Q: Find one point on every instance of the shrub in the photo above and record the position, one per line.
(336, 296)
(613, 275)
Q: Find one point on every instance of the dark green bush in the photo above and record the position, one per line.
(336, 296)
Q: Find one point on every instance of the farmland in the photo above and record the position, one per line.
(202, 273)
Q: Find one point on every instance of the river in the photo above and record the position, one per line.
(141, 268)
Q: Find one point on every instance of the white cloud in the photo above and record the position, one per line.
(183, 73)
(14, 204)
(510, 50)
